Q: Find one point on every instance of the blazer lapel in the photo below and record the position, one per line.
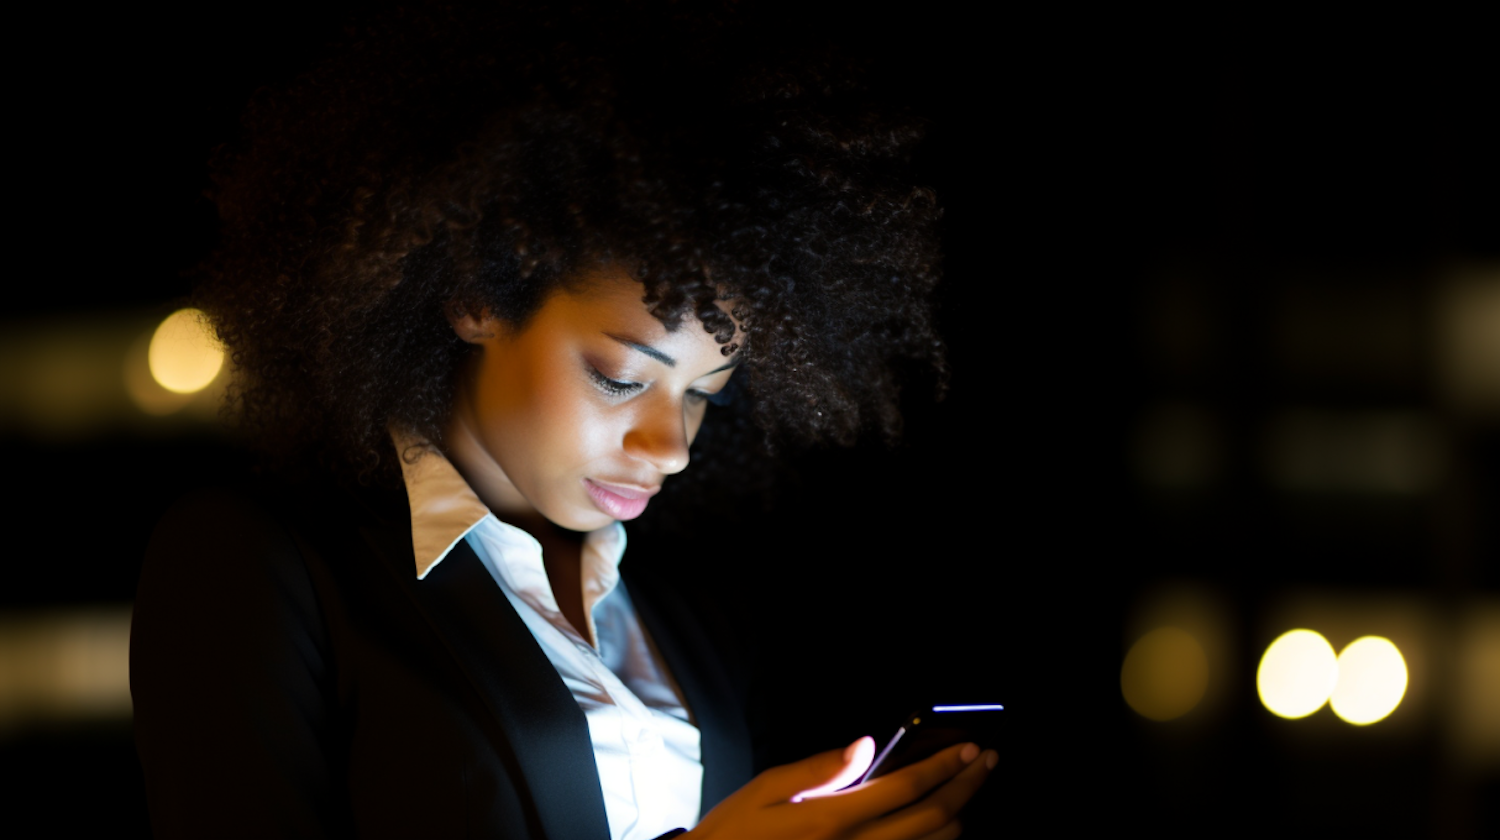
(724, 736)
(547, 730)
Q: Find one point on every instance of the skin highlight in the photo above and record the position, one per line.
(582, 412)
(562, 400)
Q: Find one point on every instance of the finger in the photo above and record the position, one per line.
(948, 832)
(780, 784)
(891, 792)
(857, 760)
(936, 813)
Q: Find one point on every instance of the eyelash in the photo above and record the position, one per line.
(613, 387)
(616, 388)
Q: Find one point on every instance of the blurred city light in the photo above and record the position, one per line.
(1165, 674)
(1175, 629)
(1473, 710)
(1325, 331)
(1421, 638)
(1372, 681)
(145, 391)
(58, 376)
(184, 357)
(1384, 452)
(89, 375)
(66, 665)
(1177, 446)
(1297, 674)
(1468, 342)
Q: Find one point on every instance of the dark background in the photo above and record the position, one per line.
(996, 555)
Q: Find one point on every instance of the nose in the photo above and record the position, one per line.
(659, 436)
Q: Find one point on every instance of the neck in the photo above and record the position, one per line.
(462, 447)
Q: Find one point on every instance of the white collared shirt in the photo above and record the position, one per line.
(646, 748)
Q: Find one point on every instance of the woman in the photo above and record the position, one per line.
(481, 288)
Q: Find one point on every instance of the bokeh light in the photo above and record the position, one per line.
(1165, 674)
(1468, 342)
(1297, 674)
(1372, 680)
(64, 665)
(184, 357)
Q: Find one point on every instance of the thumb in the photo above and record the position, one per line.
(823, 774)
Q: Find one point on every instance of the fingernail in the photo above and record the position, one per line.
(968, 753)
(853, 748)
(991, 760)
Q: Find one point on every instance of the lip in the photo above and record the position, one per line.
(620, 501)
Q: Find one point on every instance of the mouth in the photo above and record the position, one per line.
(619, 501)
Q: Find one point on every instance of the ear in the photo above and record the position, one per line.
(473, 328)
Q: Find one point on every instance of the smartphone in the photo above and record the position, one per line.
(931, 729)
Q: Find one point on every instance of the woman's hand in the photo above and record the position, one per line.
(786, 802)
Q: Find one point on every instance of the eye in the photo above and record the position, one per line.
(613, 387)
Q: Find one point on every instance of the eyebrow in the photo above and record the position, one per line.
(663, 357)
(648, 350)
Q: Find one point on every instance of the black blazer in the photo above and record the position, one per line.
(292, 677)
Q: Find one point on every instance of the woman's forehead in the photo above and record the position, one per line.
(611, 292)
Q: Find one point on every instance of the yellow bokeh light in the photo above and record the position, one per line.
(183, 357)
(1165, 674)
(1297, 674)
(1372, 681)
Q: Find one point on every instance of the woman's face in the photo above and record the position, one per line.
(582, 413)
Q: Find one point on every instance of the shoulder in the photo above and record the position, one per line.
(233, 541)
(233, 572)
(223, 578)
(219, 545)
(205, 527)
(229, 643)
(227, 566)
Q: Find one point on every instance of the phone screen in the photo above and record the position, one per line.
(931, 729)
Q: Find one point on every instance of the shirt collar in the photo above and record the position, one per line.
(443, 506)
(444, 509)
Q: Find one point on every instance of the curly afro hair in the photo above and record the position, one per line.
(452, 161)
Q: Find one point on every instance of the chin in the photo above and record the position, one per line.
(582, 521)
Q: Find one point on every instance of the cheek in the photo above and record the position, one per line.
(522, 409)
(570, 427)
(505, 400)
(594, 435)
